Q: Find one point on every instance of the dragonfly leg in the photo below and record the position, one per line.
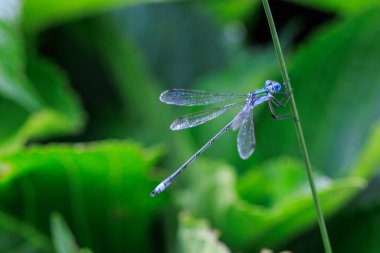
(284, 100)
(274, 114)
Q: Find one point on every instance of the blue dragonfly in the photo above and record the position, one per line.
(243, 120)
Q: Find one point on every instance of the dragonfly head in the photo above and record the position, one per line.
(272, 86)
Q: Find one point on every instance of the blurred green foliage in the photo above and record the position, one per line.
(79, 71)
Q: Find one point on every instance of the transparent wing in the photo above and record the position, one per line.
(185, 97)
(246, 137)
(238, 120)
(197, 118)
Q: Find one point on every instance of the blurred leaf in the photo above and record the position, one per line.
(343, 7)
(16, 237)
(196, 236)
(36, 108)
(227, 11)
(102, 189)
(368, 162)
(336, 83)
(285, 205)
(148, 118)
(361, 214)
(364, 224)
(265, 250)
(52, 85)
(61, 112)
(10, 11)
(14, 84)
(64, 241)
(279, 179)
(40, 14)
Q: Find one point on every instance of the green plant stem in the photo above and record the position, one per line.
(301, 139)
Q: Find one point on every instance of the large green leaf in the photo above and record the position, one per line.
(102, 190)
(17, 237)
(281, 204)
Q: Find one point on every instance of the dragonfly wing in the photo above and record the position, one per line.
(238, 120)
(246, 137)
(185, 97)
(197, 118)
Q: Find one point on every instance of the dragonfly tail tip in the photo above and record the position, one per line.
(153, 193)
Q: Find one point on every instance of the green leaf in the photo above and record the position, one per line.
(40, 14)
(14, 84)
(227, 11)
(281, 204)
(64, 241)
(196, 236)
(52, 85)
(17, 237)
(102, 189)
(35, 101)
(61, 112)
(343, 7)
(361, 213)
(368, 161)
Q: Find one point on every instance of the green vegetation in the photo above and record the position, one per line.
(84, 138)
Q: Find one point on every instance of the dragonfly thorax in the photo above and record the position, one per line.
(251, 98)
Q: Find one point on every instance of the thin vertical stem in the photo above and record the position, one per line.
(301, 139)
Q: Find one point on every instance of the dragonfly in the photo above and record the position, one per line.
(243, 120)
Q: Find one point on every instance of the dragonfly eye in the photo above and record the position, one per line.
(277, 86)
(268, 83)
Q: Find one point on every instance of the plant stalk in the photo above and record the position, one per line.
(301, 139)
